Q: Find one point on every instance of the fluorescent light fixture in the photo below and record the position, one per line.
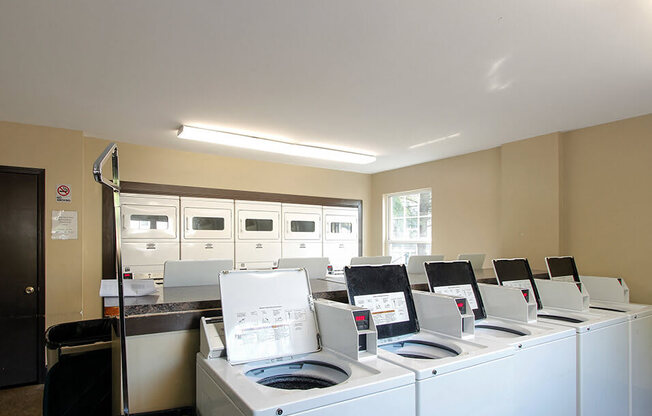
(441, 139)
(273, 146)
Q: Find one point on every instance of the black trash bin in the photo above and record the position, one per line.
(78, 381)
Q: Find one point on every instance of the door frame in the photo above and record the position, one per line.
(40, 259)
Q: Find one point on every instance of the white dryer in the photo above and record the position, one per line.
(302, 230)
(340, 235)
(602, 337)
(149, 233)
(207, 229)
(544, 354)
(286, 355)
(258, 234)
(640, 325)
(454, 375)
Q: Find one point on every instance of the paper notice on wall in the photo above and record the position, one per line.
(64, 225)
(570, 279)
(521, 284)
(459, 291)
(386, 308)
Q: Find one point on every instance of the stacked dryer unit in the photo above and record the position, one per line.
(149, 234)
(258, 234)
(302, 230)
(207, 229)
(340, 235)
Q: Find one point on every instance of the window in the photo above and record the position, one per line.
(409, 224)
(255, 224)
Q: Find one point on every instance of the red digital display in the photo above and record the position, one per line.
(525, 294)
(460, 304)
(360, 318)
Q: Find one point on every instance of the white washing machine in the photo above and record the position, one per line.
(602, 337)
(288, 355)
(302, 230)
(544, 354)
(416, 269)
(454, 375)
(258, 234)
(207, 229)
(149, 234)
(639, 321)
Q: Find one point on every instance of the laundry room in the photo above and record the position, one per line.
(244, 208)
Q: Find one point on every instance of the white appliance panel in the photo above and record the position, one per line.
(207, 250)
(145, 260)
(340, 253)
(252, 255)
(296, 249)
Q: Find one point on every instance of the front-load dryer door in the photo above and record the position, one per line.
(258, 225)
(340, 227)
(301, 226)
(148, 222)
(207, 223)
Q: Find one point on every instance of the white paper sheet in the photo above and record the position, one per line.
(109, 287)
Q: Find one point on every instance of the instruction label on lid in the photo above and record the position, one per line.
(521, 284)
(460, 291)
(267, 327)
(386, 308)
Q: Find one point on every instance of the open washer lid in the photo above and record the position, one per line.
(456, 278)
(267, 314)
(385, 291)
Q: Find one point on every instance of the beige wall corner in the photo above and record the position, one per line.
(529, 198)
(465, 202)
(59, 152)
(607, 197)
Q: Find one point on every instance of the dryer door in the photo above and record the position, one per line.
(207, 224)
(258, 225)
(149, 222)
(340, 227)
(301, 226)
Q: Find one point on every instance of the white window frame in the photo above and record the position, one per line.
(387, 218)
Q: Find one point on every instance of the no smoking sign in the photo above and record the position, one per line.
(63, 193)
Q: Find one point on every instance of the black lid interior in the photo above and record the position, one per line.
(562, 266)
(387, 278)
(455, 273)
(516, 269)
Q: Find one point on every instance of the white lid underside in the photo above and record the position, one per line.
(267, 314)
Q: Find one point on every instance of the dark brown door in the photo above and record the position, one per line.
(21, 291)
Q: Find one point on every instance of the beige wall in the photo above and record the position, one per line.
(586, 193)
(73, 268)
(465, 202)
(529, 199)
(607, 201)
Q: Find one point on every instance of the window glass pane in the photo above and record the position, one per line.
(412, 228)
(401, 252)
(148, 222)
(412, 205)
(208, 223)
(425, 204)
(397, 206)
(424, 227)
(257, 224)
(398, 229)
(341, 227)
(423, 249)
(302, 226)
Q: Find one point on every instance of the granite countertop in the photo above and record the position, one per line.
(198, 298)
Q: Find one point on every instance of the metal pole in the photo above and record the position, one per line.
(112, 150)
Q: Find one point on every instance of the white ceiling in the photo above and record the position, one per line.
(374, 76)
